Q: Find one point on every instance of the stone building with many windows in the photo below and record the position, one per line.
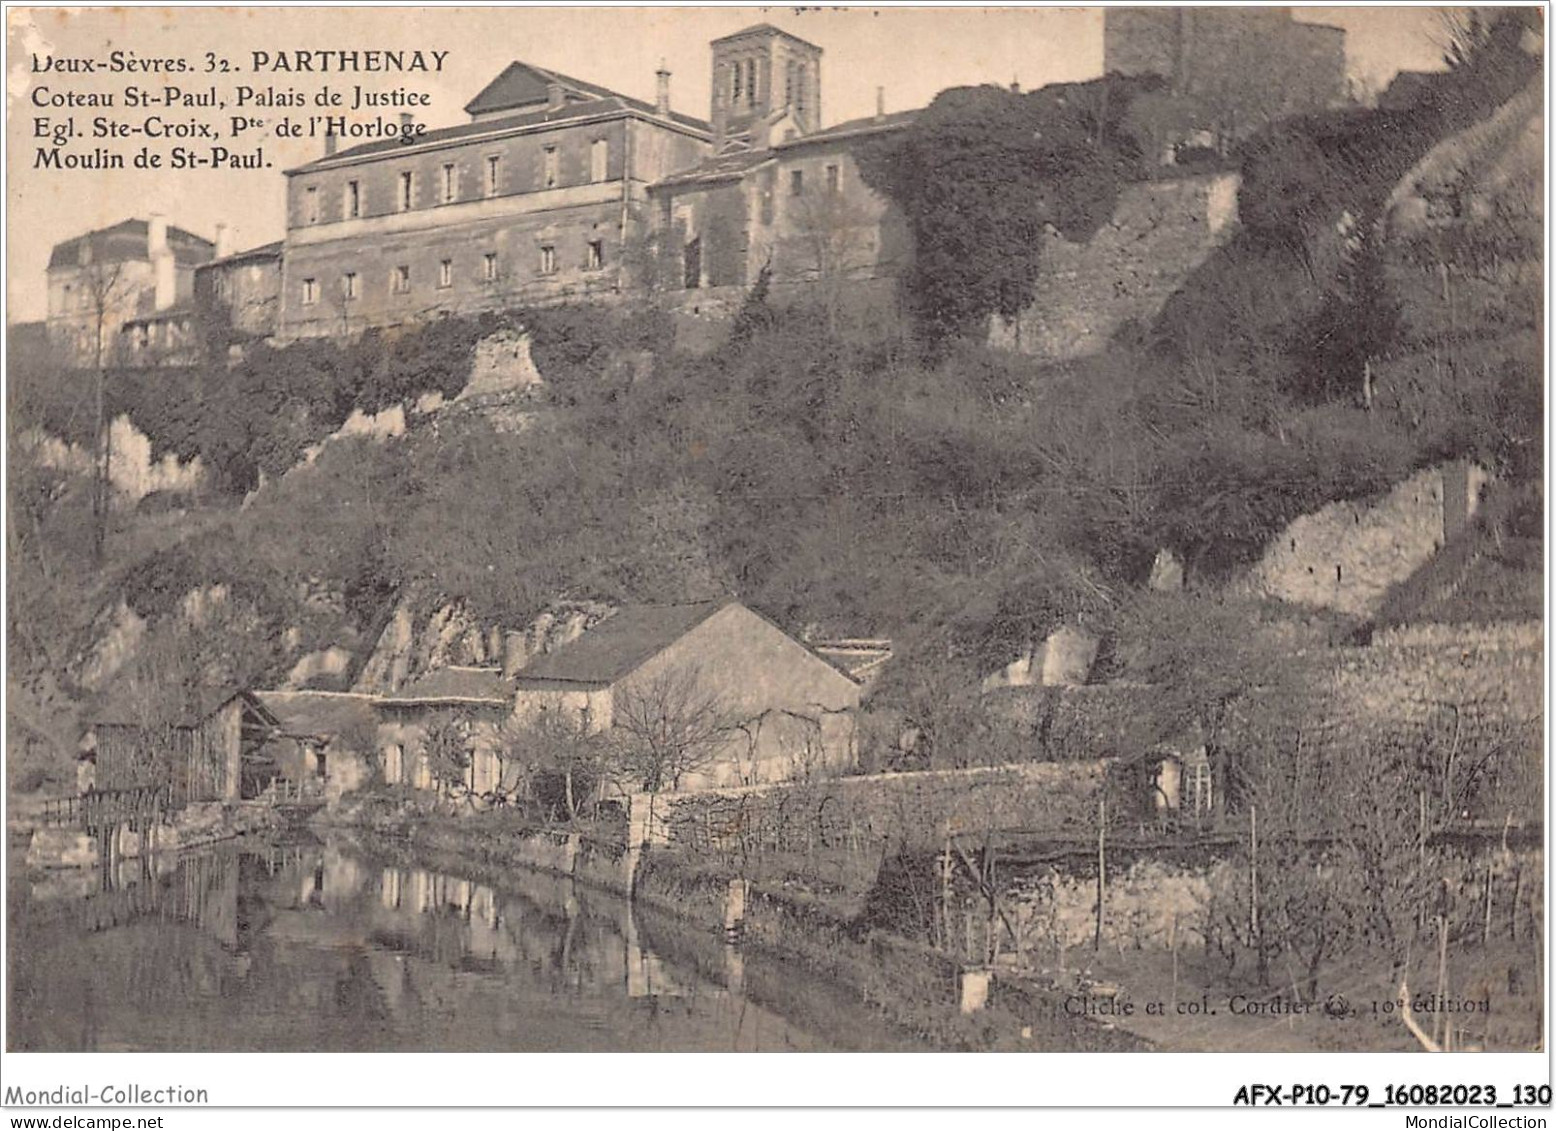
(536, 199)
(558, 190)
(119, 277)
(246, 287)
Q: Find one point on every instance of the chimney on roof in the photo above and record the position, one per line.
(1015, 85)
(331, 142)
(880, 104)
(156, 235)
(407, 119)
(223, 241)
(163, 272)
(662, 95)
(554, 97)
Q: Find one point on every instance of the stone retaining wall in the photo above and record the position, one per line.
(1160, 232)
(1345, 556)
(880, 810)
(1472, 693)
(1158, 902)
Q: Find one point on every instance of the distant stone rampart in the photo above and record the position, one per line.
(1161, 231)
(1346, 555)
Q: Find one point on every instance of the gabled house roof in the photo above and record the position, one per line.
(317, 714)
(180, 311)
(854, 127)
(454, 685)
(129, 241)
(733, 165)
(523, 85)
(728, 166)
(526, 86)
(619, 645)
(859, 659)
(201, 706)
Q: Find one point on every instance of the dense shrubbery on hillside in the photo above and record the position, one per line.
(969, 501)
(259, 415)
(1267, 300)
(962, 503)
(983, 171)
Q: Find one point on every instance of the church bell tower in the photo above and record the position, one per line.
(758, 74)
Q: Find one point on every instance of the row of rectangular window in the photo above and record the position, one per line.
(797, 180)
(400, 279)
(599, 170)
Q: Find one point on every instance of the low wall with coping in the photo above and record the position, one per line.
(877, 810)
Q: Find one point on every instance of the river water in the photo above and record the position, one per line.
(323, 947)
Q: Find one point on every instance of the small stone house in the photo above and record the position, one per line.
(475, 702)
(321, 739)
(788, 712)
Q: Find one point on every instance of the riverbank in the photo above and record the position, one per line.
(772, 906)
(49, 847)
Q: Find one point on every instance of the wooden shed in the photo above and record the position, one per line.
(215, 755)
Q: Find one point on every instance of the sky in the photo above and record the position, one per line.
(912, 52)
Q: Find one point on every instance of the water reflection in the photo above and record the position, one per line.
(317, 947)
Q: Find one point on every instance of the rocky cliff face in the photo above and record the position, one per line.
(420, 637)
(115, 635)
(131, 468)
(1468, 176)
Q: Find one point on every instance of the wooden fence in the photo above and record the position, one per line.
(139, 808)
(102, 809)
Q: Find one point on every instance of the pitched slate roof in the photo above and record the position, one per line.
(454, 685)
(857, 659)
(618, 646)
(763, 29)
(725, 166)
(263, 251)
(129, 240)
(616, 104)
(183, 308)
(732, 166)
(317, 714)
(853, 126)
(122, 709)
(523, 84)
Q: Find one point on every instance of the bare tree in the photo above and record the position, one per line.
(106, 291)
(446, 745)
(668, 726)
(1221, 672)
(830, 246)
(564, 744)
